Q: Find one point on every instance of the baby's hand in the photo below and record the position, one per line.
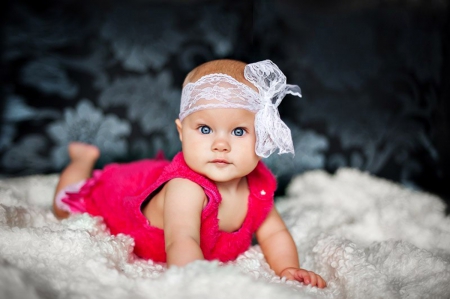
(302, 275)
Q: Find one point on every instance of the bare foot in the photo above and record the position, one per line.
(83, 152)
(83, 157)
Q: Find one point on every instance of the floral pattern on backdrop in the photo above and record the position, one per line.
(109, 73)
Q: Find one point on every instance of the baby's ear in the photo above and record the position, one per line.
(179, 127)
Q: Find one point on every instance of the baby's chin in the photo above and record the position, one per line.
(226, 178)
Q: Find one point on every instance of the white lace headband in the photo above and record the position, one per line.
(223, 91)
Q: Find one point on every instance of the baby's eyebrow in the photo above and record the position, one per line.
(199, 120)
(245, 122)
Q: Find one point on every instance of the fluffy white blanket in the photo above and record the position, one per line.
(369, 238)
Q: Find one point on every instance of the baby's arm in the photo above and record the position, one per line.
(183, 204)
(281, 253)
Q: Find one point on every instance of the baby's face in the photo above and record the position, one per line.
(219, 143)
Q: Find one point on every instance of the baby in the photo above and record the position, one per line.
(215, 194)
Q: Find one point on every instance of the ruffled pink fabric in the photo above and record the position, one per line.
(117, 194)
(75, 200)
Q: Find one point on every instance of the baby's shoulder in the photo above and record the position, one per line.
(184, 188)
(183, 182)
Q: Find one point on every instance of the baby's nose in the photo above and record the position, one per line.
(221, 145)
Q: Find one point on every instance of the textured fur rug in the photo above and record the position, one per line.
(369, 238)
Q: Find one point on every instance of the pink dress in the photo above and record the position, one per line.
(118, 192)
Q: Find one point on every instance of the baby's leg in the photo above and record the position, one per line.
(82, 160)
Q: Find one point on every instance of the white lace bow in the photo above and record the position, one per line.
(223, 91)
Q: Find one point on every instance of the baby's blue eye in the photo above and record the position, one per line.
(205, 129)
(238, 132)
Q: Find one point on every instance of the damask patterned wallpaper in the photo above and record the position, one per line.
(373, 76)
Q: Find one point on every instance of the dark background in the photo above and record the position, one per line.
(374, 74)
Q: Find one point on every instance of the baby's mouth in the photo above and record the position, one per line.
(220, 161)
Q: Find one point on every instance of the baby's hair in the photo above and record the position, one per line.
(233, 68)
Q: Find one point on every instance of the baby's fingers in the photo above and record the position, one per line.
(308, 277)
(317, 281)
(321, 282)
(302, 275)
(313, 279)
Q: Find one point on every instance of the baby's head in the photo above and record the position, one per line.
(232, 68)
(258, 88)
